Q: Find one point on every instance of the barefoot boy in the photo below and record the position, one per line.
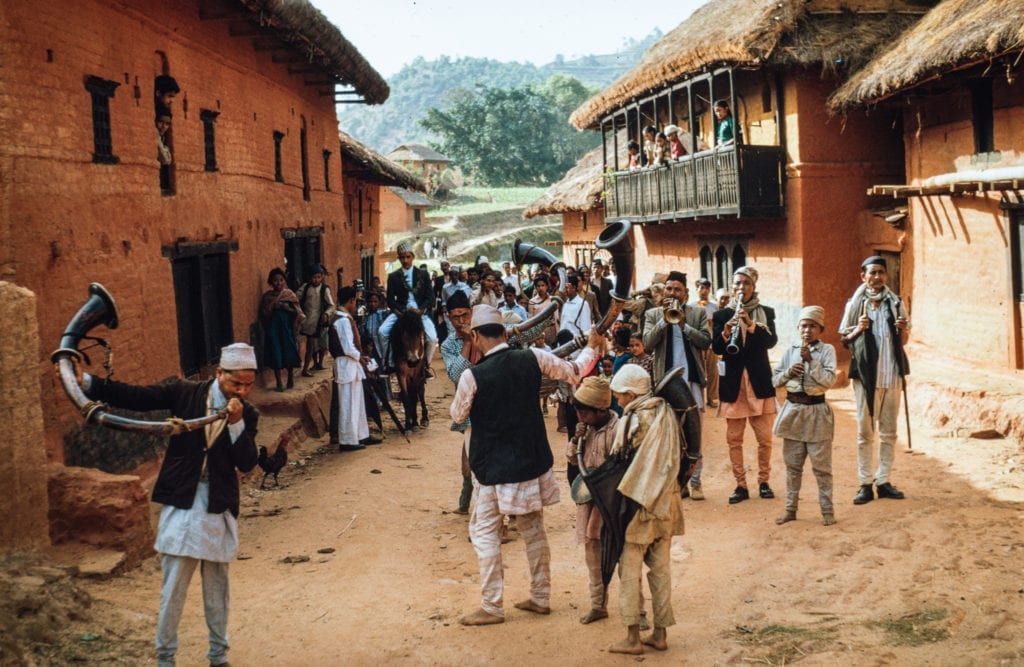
(805, 422)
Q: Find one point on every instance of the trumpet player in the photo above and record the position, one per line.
(805, 422)
(743, 333)
(875, 328)
(677, 334)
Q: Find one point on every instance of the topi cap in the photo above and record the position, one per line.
(671, 129)
(702, 281)
(874, 259)
(403, 247)
(238, 357)
(594, 392)
(748, 271)
(457, 300)
(815, 314)
(484, 315)
(510, 318)
(632, 378)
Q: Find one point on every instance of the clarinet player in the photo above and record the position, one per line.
(743, 333)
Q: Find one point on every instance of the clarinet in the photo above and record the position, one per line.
(735, 340)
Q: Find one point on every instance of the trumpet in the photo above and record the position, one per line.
(673, 312)
(735, 340)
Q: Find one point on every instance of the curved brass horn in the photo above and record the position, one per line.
(527, 253)
(101, 309)
(616, 239)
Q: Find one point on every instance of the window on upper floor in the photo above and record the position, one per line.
(719, 258)
(101, 90)
(327, 171)
(981, 114)
(209, 119)
(304, 156)
(278, 174)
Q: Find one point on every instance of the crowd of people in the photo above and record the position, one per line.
(631, 394)
(672, 143)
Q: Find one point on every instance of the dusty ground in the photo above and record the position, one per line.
(381, 569)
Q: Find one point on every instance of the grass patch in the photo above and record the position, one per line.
(782, 644)
(469, 201)
(915, 629)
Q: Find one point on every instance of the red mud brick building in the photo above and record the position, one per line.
(372, 208)
(788, 195)
(254, 180)
(953, 80)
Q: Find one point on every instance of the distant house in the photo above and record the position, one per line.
(403, 210)
(787, 194)
(954, 82)
(373, 207)
(421, 160)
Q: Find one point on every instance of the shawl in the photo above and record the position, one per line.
(648, 426)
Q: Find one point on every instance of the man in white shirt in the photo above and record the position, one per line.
(576, 316)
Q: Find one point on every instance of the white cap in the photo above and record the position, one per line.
(238, 357)
(484, 314)
(632, 378)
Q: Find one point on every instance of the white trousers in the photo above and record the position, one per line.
(351, 413)
(887, 410)
(177, 572)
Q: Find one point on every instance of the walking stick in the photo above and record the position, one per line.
(906, 412)
(390, 410)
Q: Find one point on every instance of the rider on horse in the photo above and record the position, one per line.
(409, 288)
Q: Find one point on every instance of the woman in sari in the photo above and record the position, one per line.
(280, 313)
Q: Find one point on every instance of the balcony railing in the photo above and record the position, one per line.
(740, 181)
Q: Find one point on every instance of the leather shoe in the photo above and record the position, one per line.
(372, 440)
(887, 490)
(350, 448)
(865, 495)
(685, 492)
(766, 491)
(739, 495)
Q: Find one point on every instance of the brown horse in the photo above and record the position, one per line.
(408, 349)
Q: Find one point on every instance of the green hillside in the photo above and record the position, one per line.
(422, 84)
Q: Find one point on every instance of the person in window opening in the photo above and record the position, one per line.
(165, 88)
(163, 150)
(675, 142)
(725, 132)
(634, 155)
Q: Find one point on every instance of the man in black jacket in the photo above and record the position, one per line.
(510, 456)
(745, 391)
(198, 487)
(409, 288)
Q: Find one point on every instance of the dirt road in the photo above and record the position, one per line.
(380, 569)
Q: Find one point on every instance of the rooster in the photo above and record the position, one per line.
(273, 464)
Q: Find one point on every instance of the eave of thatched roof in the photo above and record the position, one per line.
(581, 187)
(954, 35)
(756, 33)
(366, 164)
(416, 153)
(412, 198)
(301, 25)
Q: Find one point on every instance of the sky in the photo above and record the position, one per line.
(391, 33)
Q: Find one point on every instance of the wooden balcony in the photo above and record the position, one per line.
(735, 181)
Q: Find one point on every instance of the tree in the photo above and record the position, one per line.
(513, 136)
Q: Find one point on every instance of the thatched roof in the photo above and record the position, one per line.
(412, 198)
(365, 164)
(757, 33)
(581, 187)
(953, 35)
(416, 153)
(301, 25)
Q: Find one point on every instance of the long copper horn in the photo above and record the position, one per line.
(101, 309)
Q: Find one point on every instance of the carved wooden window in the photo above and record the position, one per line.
(327, 171)
(209, 119)
(101, 90)
(278, 175)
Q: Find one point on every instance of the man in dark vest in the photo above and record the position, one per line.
(876, 327)
(509, 455)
